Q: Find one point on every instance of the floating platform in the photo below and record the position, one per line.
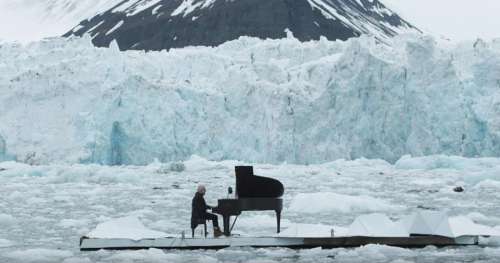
(89, 244)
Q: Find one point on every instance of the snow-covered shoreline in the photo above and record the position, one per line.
(271, 101)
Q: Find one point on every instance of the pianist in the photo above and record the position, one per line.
(199, 211)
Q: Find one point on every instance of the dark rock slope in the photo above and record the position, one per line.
(165, 24)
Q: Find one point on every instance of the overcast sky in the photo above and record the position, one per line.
(455, 19)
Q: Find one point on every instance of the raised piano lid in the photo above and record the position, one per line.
(249, 185)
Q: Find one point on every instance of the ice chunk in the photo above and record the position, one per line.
(38, 255)
(325, 202)
(6, 243)
(73, 223)
(148, 255)
(77, 260)
(7, 220)
(475, 170)
(256, 222)
(377, 253)
(126, 227)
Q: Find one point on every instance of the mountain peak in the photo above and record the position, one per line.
(165, 24)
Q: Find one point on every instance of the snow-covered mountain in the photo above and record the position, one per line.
(273, 101)
(164, 24)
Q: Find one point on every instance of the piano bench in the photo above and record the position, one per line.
(199, 222)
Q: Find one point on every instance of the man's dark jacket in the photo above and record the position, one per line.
(199, 210)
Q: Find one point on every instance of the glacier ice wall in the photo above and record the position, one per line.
(249, 99)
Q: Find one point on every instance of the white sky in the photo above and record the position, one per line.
(454, 19)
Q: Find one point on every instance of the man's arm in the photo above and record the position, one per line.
(205, 205)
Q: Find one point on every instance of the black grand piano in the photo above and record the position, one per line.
(253, 193)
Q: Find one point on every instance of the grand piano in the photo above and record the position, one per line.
(253, 193)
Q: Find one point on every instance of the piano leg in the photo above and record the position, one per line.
(278, 219)
(226, 223)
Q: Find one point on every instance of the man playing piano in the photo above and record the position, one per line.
(199, 211)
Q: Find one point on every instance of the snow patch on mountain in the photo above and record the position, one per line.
(135, 6)
(249, 99)
(119, 24)
(188, 6)
(355, 14)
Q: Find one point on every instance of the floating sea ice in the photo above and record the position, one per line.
(261, 221)
(7, 220)
(77, 260)
(5, 243)
(375, 253)
(38, 255)
(149, 255)
(333, 202)
(73, 223)
(126, 227)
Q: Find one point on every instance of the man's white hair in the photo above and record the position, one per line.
(201, 188)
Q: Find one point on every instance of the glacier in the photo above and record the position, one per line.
(266, 101)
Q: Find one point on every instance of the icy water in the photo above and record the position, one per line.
(45, 209)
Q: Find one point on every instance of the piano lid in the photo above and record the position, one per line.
(249, 185)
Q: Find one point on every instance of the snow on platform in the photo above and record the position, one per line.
(378, 225)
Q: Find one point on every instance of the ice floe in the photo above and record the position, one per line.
(127, 227)
(327, 202)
